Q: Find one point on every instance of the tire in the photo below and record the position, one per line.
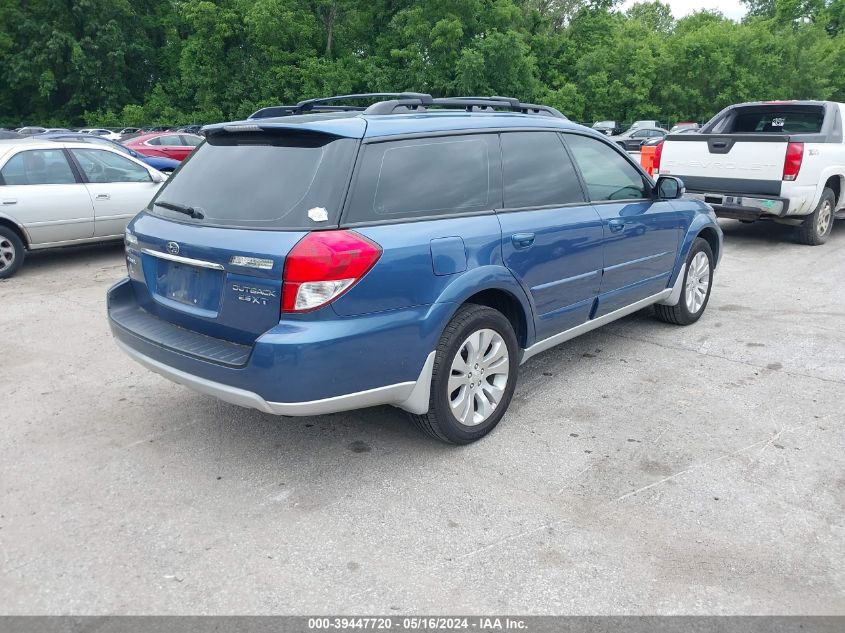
(698, 280)
(473, 327)
(815, 230)
(12, 252)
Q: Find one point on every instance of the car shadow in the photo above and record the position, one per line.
(770, 232)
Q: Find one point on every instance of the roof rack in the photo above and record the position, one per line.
(470, 104)
(323, 104)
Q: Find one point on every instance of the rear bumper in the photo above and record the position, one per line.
(407, 395)
(306, 367)
(743, 207)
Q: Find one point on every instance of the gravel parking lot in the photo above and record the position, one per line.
(643, 468)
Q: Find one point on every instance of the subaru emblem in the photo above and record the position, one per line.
(173, 248)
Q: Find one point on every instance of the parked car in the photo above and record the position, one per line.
(7, 134)
(607, 127)
(31, 130)
(685, 126)
(633, 139)
(639, 124)
(167, 144)
(109, 134)
(128, 130)
(780, 161)
(162, 164)
(191, 129)
(63, 194)
(466, 245)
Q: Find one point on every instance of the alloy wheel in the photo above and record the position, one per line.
(825, 218)
(478, 377)
(698, 282)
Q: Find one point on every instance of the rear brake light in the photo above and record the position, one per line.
(323, 265)
(792, 164)
(658, 153)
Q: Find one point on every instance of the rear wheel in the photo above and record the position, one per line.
(698, 280)
(474, 377)
(815, 230)
(12, 252)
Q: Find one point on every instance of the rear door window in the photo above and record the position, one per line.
(538, 171)
(190, 140)
(607, 174)
(426, 177)
(280, 180)
(38, 167)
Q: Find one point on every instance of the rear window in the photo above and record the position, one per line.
(424, 177)
(773, 120)
(274, 181)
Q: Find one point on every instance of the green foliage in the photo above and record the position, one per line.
(135, 62)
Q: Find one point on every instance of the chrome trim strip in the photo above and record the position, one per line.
(183, 260)
(571, 333)
(638, 261)
(408, 395)
(556, 282)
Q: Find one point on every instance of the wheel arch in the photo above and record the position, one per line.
(835, 184)
(494, 287)
(17, 228)
(504, 302)
(710, 235)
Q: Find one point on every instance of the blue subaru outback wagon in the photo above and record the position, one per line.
(414, 252)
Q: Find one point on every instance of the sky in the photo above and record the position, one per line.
(733, 9)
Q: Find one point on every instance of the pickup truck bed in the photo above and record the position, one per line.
(766, 161)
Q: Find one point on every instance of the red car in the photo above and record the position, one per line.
(167, 144)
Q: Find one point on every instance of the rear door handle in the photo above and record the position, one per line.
(616, 225)
(522, 240)
(103, 196)
(10, 200)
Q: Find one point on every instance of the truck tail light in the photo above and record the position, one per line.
(658, 153)
(792, 163)
(323, 265)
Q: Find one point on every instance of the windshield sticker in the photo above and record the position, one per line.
(318, 214)
(778, 122)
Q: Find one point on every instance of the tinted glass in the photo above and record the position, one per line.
(538, 171)
(608, 175)
(102, 166)
(775, 122)
(424, 177)
(38, 167)
(769, 119)
(263, 181)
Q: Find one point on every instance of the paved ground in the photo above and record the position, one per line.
(643, 468)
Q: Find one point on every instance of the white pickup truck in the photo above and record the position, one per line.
(776, 160)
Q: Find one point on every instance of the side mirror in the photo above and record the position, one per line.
(669, 188)
(157, 176)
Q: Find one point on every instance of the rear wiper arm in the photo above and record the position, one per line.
(195, 213)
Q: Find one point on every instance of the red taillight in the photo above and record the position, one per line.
(323, 265)
(792, 164)
(658, 153)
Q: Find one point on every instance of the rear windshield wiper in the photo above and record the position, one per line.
(195, 213)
